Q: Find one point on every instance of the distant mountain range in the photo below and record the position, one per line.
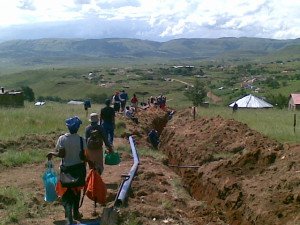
(55, 51)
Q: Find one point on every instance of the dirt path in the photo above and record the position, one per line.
(28, 179)
(183, 82)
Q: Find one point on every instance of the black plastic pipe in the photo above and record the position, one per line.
(127, 183)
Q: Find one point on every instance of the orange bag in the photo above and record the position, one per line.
(95, 188)
(60, 190)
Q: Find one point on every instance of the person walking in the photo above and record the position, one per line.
(95, 136)
(70, 148)
(124, 98)
(107, 120)
(134, 102)
(235, 107)
(117, 101)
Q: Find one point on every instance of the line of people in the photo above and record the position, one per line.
(75, 151)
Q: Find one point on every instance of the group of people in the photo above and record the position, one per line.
(73, 151)
(120, 98)
(159, 101)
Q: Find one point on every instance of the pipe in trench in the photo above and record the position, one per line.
(127, 183)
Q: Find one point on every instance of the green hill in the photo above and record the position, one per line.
(69, 52)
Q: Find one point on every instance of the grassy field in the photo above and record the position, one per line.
(17, 122)
(145, 80)
(31, 119)
(275, 123)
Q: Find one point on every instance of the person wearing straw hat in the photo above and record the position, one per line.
(95, 136)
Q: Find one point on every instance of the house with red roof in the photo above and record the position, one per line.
(294, 102)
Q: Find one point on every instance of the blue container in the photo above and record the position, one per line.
(50, 181)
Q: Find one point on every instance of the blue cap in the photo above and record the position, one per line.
(73, 124)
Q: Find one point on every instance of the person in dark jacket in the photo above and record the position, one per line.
(107, 120)
(235, 107)
(124, 98)
(153, 138)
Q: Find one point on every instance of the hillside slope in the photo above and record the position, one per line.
(135, 48)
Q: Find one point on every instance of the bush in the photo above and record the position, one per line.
(50, 98)
(279, 100)
(197, 93)
(28, 93)
(97, 98)
(271, 82)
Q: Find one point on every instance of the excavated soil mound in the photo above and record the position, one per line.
(247, 177)
(30, 141)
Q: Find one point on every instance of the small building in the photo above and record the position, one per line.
(294, 102)
(11, 98)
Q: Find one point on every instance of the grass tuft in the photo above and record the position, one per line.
(15, 203)
(14, 157)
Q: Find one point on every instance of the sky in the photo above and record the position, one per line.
(158, 20)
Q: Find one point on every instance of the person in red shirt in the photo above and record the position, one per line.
(134, 102)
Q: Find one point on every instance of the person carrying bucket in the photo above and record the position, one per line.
(95, 136)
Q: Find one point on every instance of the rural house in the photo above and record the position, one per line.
(294, 102)
(11, 98)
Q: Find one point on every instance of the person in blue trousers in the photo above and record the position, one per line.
(107, 120)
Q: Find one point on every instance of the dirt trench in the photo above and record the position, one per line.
(245, 176)
(242, 177)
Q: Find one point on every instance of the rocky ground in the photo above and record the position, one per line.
(214, 171)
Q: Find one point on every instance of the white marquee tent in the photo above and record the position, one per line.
(251, 101)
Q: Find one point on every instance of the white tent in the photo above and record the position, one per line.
(251, 101)
(74, 102)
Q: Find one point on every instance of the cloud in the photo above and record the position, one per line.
(164, 19)
(115, 4)
(26, 5)
(82, 2)
(263, 17)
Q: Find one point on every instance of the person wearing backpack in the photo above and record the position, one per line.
(95, 136)
(70, 148)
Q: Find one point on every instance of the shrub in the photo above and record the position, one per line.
(28, 93)
(97, 98)
(279, 100)
(197, 93)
